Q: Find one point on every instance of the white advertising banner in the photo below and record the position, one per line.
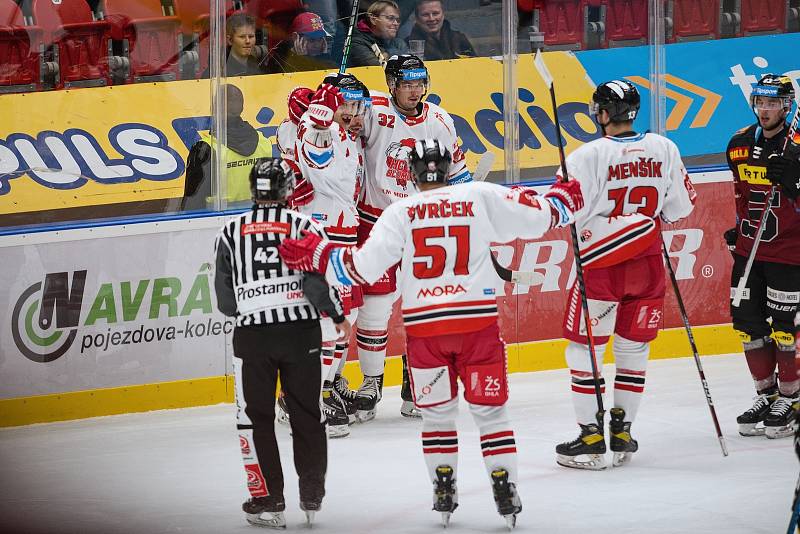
(97, 313)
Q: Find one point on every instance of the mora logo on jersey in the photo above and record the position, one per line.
(440, 291)
(397, 156)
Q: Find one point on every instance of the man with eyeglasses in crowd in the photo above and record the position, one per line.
(375, 39)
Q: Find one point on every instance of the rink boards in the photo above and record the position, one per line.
(116, 319)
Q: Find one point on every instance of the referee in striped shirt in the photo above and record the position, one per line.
(277, 332)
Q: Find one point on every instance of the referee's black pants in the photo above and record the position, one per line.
(291, 351)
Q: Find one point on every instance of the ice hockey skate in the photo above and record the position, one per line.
(368, 396)
(310, 507)
(407, 409)
(336, 419)
(587, 451)
(281, 411)
(781, 421)
(348, 397)
(622, 444)
(445, 493)
(751, 422)
(265, 512)
(506, 497)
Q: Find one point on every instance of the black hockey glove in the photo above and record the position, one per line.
(730, 236)
(785, 170)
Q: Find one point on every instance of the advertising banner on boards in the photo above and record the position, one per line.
(96, 313)
(109, 312)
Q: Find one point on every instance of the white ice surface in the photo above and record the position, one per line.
(180, 470)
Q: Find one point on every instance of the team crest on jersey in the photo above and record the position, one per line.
(397, 156)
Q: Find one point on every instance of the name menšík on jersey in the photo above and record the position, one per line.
(644, 168)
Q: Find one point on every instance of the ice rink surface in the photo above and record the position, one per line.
(181, 471)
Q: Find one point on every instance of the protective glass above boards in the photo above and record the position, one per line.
(100, 125)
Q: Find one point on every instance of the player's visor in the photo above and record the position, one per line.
(768, 103)
(355, 103)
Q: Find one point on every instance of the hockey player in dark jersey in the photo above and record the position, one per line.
(764, 317)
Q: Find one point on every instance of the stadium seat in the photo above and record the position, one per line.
(563, 23)
(276, 16)
(151, 40)
(626, 22)
(81, 46)
(694, 20)
(20, 51)
(763, 16)
(195, 25)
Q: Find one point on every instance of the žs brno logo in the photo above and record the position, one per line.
(46, 316)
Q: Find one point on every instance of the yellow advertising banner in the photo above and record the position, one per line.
(108, 145)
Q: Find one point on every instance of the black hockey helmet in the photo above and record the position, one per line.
(430, 161)
(773, 86)
(619, 98)
(406, 67)
(351, 89)
(271, 179)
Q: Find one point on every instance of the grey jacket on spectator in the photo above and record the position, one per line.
(450, 44)
(363, 47)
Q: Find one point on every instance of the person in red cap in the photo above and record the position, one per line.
(306, 48)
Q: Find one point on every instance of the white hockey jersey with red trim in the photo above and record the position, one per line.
(441, 238)
(335, 173)
(628, 185)
(390, 136)
(286, 136)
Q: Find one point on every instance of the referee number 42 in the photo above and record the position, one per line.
(266, 255)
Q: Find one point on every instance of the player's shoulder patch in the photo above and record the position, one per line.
(380, 101)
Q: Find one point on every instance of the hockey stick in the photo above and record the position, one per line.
(738, 294)
(349, 38)
(692, 343)
(483, 167)
(795, 510)
(538, 62)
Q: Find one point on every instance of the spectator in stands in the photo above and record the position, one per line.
(441, 41)
(240, 32)
(244, 146)
(306, 49)
(375, 38)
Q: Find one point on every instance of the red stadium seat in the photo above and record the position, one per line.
(20, 51)
(276, 15)
(195, 24)
(151, 40)
(563, 23)
(763, 16)
(694, 20)
(81, 45)
(626, 22)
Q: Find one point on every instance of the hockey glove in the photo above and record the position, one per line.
(785, 170)
(299, 100)
(311, 253)
(730, 236)
(565, 200)
(324, 104)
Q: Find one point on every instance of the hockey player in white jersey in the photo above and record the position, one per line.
(630, 183)
(441, 238)
(391, 128)
(327, 150)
